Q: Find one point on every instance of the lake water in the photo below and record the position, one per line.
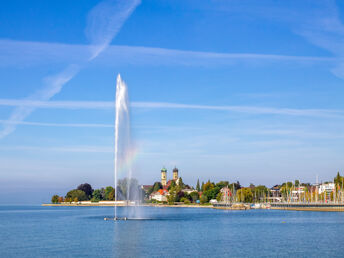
(34, 231)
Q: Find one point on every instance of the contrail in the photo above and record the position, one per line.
(104, 22)
(167, 105)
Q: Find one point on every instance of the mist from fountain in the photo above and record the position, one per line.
(126, 188)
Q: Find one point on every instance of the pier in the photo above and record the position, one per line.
(308, 206)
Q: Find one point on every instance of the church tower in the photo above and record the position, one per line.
(163, 176)
(175, 174)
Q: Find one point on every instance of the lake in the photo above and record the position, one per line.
(35, 231)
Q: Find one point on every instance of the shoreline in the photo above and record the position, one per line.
(89, 204)
(123, 205)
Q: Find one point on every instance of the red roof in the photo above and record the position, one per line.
(162, 191)
(168, 184)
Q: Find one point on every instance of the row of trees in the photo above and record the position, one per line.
(127, 189)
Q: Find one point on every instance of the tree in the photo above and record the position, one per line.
(180, 182)
(55, 199)
(260, 192)
(202, 186)
(245, 195)
(219, 196)
(297, 183)
(222, 184)
(198, 188)
(76, 199)
(81, 195)
(194, 196)
(338, 180)
(102, 192)
(171, 198)
(109, 193)
(87, 188)
(96, 196)
(172, 185)
(212, 192)
(207, 186)
(157, 186)
(203, 199)
(60, 199)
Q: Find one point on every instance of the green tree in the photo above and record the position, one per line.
(260, 192)
(198, 188)
(297, 183)
(203, 199)
(219, 197)
(171, 198)
(96, 196)
(79, 194)
(180, 183)
(172, 185)
(194, 196)
(207, 186)
(55, 199)
(212, 192)
(245, 195)
(202, 187)
(109, 193)
(157, 186)
(87, 188)
(60, 199)
(222, 184)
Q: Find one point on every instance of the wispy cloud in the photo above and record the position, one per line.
(24, 53)
(87, 149)
(167, 105)
(104, 22)
(54, 86)
(56, 124)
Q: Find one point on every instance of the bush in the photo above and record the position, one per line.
(187, 201)
(203, 199)
(55, 199)
(77, 194)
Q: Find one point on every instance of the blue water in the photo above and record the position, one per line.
(34, 231)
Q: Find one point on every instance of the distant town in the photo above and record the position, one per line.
(174, 191)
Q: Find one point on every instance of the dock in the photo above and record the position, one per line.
(339, 207)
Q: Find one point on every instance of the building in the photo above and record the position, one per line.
(164, 181)
(328, 188)
(160, 195)
(226, 194)
(163, 176)
(175, 174)
(146, 187)
(275, 193)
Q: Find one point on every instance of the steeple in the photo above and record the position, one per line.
(175, 174)
(163, 176)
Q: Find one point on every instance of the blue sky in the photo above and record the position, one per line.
(225, 90)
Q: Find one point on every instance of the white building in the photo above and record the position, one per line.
(160, 195)
(329, 187)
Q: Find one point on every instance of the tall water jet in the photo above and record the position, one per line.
(122, 135)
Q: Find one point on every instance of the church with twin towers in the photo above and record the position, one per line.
(175, 177)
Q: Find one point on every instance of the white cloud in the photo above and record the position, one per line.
(167, 105)
(25, 53)
(104, 22)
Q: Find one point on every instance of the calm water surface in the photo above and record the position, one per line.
(34, 231)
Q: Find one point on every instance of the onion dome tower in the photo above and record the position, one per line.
(175, 174)
(163, 176)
